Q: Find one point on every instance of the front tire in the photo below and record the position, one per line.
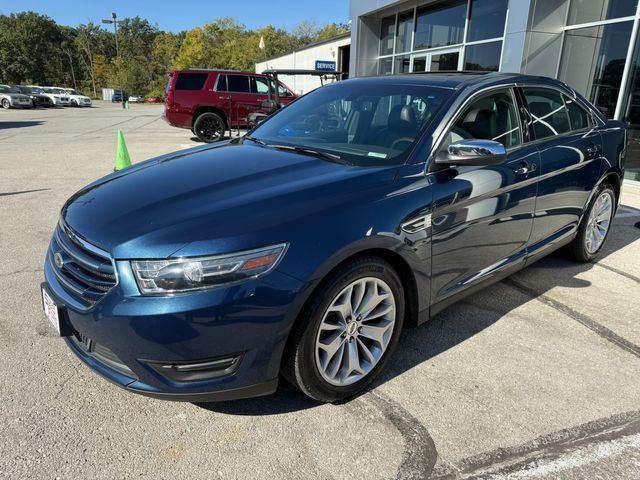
(6, 104)
(209, 127)
(595, 226)
(348, 332)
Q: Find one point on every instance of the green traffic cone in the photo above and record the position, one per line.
(122, 154)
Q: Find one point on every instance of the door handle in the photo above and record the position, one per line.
(593, 150)
(525, 169)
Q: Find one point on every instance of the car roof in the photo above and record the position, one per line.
(456, 80)
(214, 70)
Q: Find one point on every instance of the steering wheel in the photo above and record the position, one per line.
(402, 139)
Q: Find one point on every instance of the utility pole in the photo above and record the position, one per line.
(114, 20)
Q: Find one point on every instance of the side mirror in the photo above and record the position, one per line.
(473, 153)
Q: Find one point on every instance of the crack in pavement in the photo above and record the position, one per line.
(619, 272)
(419, 455)
(544, 449)
(592, 325)
(6, 194)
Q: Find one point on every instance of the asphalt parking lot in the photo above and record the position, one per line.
(537, 376)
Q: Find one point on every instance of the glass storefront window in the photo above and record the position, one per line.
(483, 56)
(486, 19)
(444, 61)
(385, 66)
(593, 60)
(631, 114)
(585, 11)
(387, 32)
(405, 29)
(440, 26)
(402, 64)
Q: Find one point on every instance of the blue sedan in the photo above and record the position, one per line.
(302, 249)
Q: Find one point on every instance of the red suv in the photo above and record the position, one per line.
(211, 101)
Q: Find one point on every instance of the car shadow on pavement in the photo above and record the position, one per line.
(20, 124)
(461, 321)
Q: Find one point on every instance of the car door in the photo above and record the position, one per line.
(570, 163)
(242, 100)
(482, 215)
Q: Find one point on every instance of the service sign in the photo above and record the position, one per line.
(326, 65)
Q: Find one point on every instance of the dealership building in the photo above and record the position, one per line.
(592, 45)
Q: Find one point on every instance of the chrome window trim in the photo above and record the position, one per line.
(455, 110)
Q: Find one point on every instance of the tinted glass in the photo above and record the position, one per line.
(491, 117)
(402, 64)
(260, 86)
(386, 35)
(578, 116)
(222, 83)
(365, 124)
(440, 26)
(548, 112)
(631, 114)
(593, 60)
(444, 61)
(486, 19)
(190, 81)
(384, 66)
(404, 32)
(238, 83)
(584, 11)
(483, 57)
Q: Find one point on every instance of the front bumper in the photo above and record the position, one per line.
(20, 103)
(143, 335)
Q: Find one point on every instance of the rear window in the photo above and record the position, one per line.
(191, 81)
(549, 112)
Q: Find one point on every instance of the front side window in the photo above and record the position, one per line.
(491, 117)
(548, 112)
(360, 124)
(260, 86)
(191, 81)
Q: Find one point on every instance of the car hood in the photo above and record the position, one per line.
(220, 198)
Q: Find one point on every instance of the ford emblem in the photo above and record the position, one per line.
(58, 260)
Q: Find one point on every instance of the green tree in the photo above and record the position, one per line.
(28, 41)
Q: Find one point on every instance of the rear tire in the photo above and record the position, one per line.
(594, 227)
(347, 333)
(209, 127)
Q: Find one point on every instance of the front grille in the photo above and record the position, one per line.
(84, 271)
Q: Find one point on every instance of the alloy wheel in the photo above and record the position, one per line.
(355, 331)
(599, 222)
(210, 128)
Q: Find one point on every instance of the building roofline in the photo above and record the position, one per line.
(308, 46)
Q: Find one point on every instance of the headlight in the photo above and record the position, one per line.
(196, 273)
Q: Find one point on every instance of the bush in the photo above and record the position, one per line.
(157, 93)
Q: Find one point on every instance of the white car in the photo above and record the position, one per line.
(136, 99)
(10, 97)
(58, 96)
(77, 98)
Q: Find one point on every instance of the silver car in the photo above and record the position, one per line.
(10, 97)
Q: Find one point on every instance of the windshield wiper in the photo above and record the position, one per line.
(254, 140)
(332, 157)
(311, 151)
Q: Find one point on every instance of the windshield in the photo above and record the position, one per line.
(363, 124)
(13, 89)
(74, 92)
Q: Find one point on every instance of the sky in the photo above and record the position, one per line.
(176, 15)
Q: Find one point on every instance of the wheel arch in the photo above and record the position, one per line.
(209, 108)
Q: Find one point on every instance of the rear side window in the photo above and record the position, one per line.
(222, 83)
(548, 112)
(578, 116)
(191, 81)
(238, 83)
